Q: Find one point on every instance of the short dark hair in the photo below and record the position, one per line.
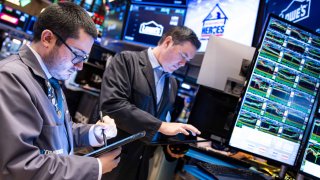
(65, 19)
(181, 34)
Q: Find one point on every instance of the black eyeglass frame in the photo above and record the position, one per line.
(80, 58)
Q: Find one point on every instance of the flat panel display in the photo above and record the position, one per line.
(98, 4)
(29, 27)
(13, 17)
(146, 24)
(280, 94)
(310, 164)
(233, 20)
(87, 5)
(114, 20)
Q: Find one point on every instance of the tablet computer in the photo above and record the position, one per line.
(115, 145)
(177, 141)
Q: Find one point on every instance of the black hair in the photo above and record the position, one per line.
(181, 34)
(65, 19)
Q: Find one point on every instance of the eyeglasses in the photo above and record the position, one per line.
(183, 56)
(77, 58)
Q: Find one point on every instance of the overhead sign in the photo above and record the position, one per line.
(297, 10)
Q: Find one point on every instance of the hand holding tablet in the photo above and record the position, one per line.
(115, 145)
(110, 160)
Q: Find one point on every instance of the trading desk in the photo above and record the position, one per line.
(242, 169)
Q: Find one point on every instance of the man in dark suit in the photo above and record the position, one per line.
(138, 92)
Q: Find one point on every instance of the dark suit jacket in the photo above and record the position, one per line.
(128, 95)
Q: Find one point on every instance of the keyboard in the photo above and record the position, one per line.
(226, 173)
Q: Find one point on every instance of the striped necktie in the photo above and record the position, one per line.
(56, 97)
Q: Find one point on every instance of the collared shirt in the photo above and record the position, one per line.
(43, 66)
(92, 139)
(159, 80)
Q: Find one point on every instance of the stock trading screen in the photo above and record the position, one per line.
(280, 94)
(311, 159)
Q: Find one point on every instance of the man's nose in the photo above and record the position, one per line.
(79, 66)
(182, 63)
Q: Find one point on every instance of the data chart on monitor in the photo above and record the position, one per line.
(280, 93)
(311, 159)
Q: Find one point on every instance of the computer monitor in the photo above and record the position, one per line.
(146, 24)
(212, 113)
(225, 64)
(97, 6)
(13, 18)
(233, 20)
(114, 20)
(309, 162)
(310, 165)
(29, 27)
(87, 5)
(280, 94)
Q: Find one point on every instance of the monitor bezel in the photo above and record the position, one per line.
(246, 84)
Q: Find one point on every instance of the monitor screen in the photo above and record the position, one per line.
(13, 17)
(162, 2)
(98, 4)
(29, 27)
(280, 93)
(146, 24)
(184, 101)
(234, 20)
(212, 113)
(114, 19)
(311, 163)
(87, 5)
(78, 2)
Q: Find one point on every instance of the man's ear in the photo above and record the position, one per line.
(47, 38)
(168, 41)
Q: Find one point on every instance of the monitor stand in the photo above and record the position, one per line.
(299, 177)
(283, 171)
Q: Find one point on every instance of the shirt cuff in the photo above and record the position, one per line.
(92, 138)
(100, 169)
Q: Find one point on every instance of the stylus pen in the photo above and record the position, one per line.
(104, 136)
